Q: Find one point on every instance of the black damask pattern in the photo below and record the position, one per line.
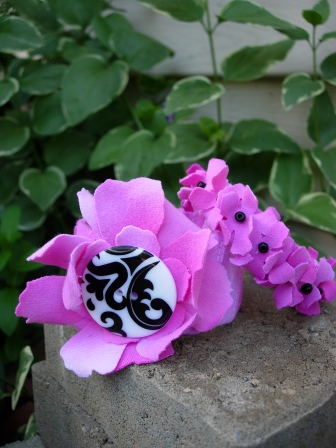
(136, 294)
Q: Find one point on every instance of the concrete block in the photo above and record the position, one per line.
(268, 379)
(33, 442)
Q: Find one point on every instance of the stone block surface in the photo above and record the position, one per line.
(268, 380)
(33, 442)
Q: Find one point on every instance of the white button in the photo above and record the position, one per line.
(129, 291)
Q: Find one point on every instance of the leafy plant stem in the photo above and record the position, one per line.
(133, 113)
(314, 47)
(210, 31)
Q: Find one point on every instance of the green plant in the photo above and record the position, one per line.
(78, 106)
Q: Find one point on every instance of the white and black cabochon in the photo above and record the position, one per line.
(129, 291)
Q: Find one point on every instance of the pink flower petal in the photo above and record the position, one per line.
(42, 302)
(313, 310)
(87, 207)
(80, 258)
(131, 356)
(82, 228)
(217, 172)
(87, 352)
(181, 277)
(328, 290)
(283, 295)
(281, 274)
(202, 199)
(214, 296)
(152, 346)
(58, 250)
(175, 225)
(190, 249)
(119, 204)
(134, 236)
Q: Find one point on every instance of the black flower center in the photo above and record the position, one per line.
(201, 184)
(263, 248)
(240, 216)
(306, 288)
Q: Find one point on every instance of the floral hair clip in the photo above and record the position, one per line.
(140, 272)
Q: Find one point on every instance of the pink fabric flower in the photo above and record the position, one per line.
(128, 214)
(237, 204)
(267, 238)
(200, 187)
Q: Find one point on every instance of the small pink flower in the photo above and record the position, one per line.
(267, 238)
(127, 214)
(200, 187)
(237, 204)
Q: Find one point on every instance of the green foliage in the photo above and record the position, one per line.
(299, 87)
(192, 92)
(70, 118)
(252, 63)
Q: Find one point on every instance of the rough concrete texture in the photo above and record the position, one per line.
(268, 380)
(33, 442)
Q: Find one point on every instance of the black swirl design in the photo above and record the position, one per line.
(137, 309)
(117, 322)
(138, 296)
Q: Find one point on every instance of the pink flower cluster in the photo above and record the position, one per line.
(124, 214)
(204, 247)
(257, 239)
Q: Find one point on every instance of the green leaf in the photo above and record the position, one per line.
(48, 117)
(71, 194)
(43, 187)
(290, 179)
(8, 302)
(250, 170)
(38, 12)
(328, 69)
(31, 430)
(40, 79)
(243, 11)
(76, 12)
(326, 36)
(31, 217)
(114, 115)
(312, 17)
(186, 11)
(191, 92)
(302, 241)
(109, 147)
(17, 34)
(326, 161)
(141, 52)
(68, 151)
(8, 88)
(13, 136)
(20, 252)
(317, 210)
(253, 62)
(112, 23)
(191, 144)
(322, 120)
(211, 129)
(9, 224)
(71, 49)
(318, 14)
(26, 360)
(299, 87)
(169, 176)
(253, 136)
(5, 255)
(141, 153)
(96, 87)
(9, 178)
